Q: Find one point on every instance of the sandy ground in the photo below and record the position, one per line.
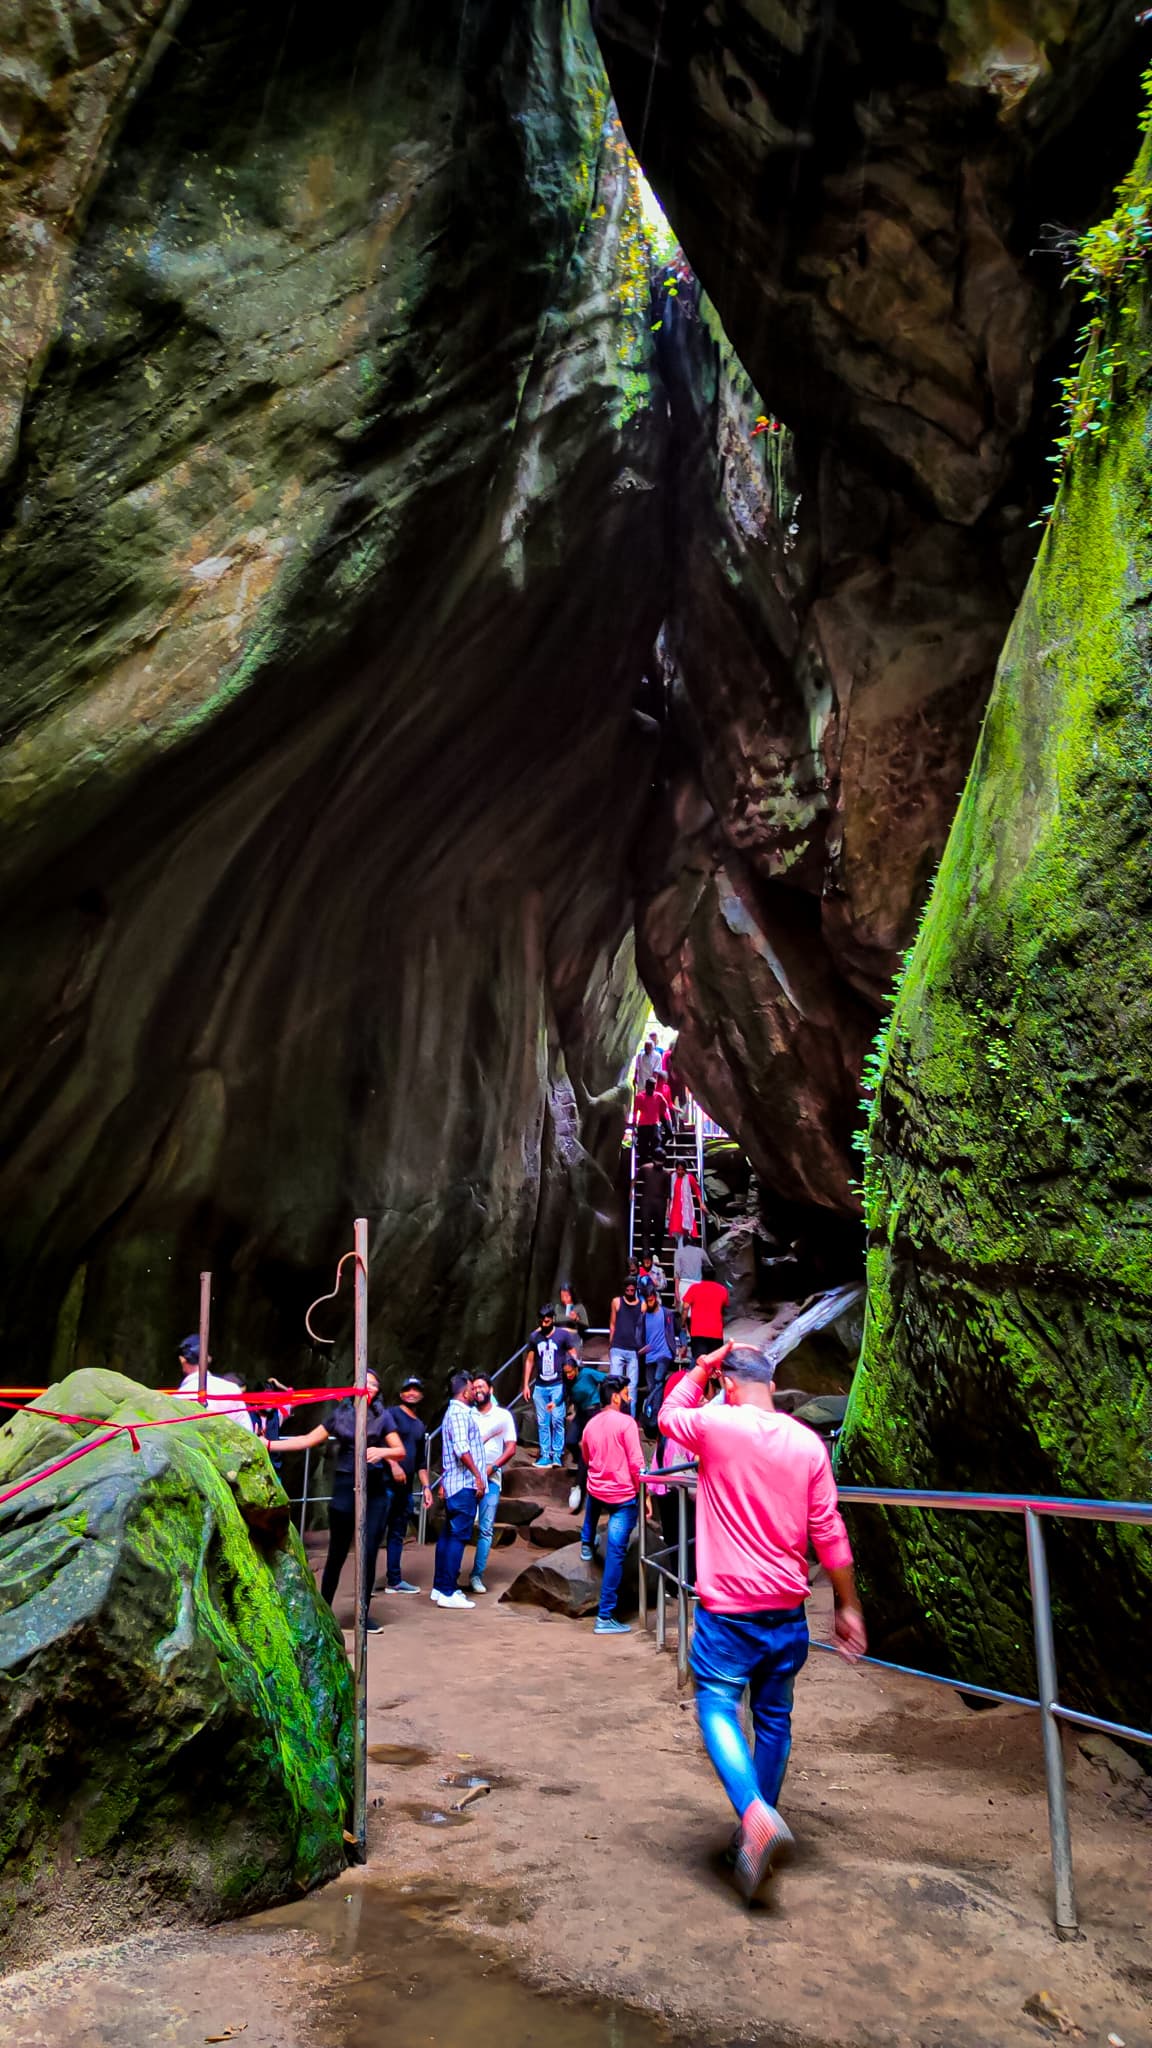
(916, 1912)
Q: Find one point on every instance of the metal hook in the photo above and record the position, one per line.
(327, 1297)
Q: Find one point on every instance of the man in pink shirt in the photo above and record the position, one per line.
(764, 1491)
(615, 1459)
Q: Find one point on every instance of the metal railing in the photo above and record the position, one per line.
(698, 1122)
(431, 1436)
(1033, 1509)
(652, 1560)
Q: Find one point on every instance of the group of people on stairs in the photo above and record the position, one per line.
(668, 1203)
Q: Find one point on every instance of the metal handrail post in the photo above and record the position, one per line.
(661, 1612)
(682, 1586)
(643, 1588)
(362, 1582)
(304, 1495)
(697, 1119)
(1067, 1926)
(422, 1518)
(205, 1320)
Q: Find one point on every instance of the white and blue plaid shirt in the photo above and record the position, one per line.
(461, 1433)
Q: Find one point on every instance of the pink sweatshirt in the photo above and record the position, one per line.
(765, 1486)
(612, 1452)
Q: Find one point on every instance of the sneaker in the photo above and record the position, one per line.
(373, 1628)
(435, 1597)
(402, 1586)
(543, 1465)
(586, 1552)
(574, 1501)
(455, 1600)
(612, 1628)
(765, 1841)
(476, 1584)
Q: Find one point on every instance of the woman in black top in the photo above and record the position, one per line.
(385, 1463)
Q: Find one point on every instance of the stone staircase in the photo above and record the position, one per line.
(534, 1505)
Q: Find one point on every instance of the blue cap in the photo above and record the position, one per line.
(190, 1349)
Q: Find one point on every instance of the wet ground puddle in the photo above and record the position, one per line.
(414, 1984)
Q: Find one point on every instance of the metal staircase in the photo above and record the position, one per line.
(684, 1147)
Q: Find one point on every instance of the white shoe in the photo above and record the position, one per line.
(574, 1500)
(455, 1600)
(476, 1584)
(435, 1597)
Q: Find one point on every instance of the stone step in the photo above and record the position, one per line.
(554, 1529)
(522, 1481)
(516, 1511)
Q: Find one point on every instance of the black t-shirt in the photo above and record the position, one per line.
(410, 1429)
(342, 1427)
(652, 1184)
(552, 1347)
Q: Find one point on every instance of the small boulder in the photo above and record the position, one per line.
(565, 1583)
(824, 1414)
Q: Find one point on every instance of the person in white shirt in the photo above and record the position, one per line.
(224, 1395)
(688, 1265)
(499, 1433)
(649, 1062)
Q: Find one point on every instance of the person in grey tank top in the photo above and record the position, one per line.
(624, 1337)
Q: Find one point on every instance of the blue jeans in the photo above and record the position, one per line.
(622, 1518)
(486, 1522)
(548, 1402)
(399, 1510)
(459, 1515)
(764, 1652)
(626, 1366)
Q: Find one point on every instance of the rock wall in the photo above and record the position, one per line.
(1009, 1188)
(772, 1034)
(329, 406)
(862, 194)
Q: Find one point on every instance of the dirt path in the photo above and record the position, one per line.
(918, 1906)
(917, 1911)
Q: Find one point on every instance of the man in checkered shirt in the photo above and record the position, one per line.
(464, 1482)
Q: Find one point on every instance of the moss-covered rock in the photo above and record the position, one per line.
(175, 1699)
(1009, 1187)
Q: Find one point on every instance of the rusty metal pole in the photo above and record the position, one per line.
(205, 1322)
(363, 1592)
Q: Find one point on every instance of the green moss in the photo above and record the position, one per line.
(1008, 1185)
(173, 1693)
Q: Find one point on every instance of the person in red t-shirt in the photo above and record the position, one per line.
(705, 1301)
(652, 1117)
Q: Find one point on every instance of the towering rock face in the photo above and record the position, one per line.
(328, 409)
(728, 930)
(1009, 1188)
(861, 196)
